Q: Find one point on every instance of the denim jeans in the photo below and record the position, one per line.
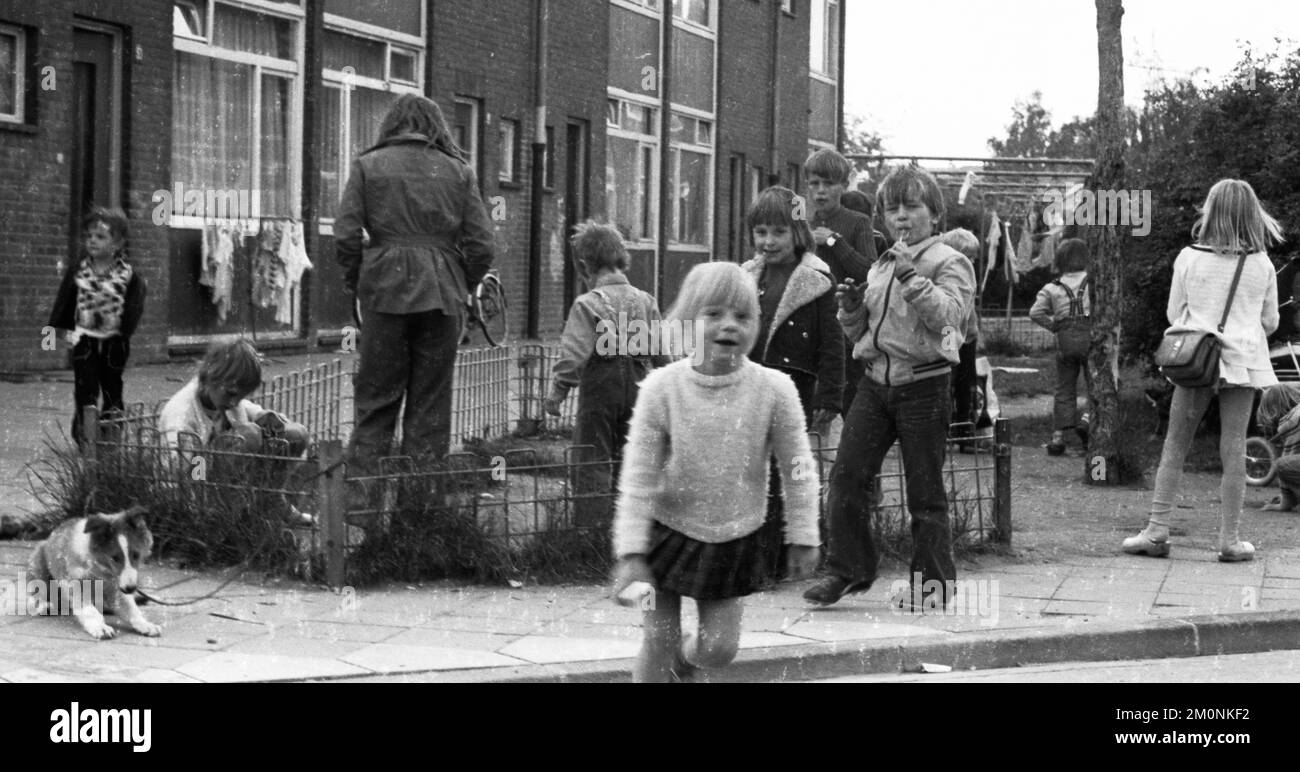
(606, 395)
(403, 357)
(917, 416)
(1065, 404)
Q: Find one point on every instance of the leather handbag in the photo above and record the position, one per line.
(1190, 358)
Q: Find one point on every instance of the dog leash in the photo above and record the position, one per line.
(234, 573)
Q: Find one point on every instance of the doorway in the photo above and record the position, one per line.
(96, 141)
(575, 201)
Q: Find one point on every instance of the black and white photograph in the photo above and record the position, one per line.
(651, 341)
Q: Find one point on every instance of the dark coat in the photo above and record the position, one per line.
(430, 236)
(64, 314)
(804, 334)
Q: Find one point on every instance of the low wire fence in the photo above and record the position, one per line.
(1019, 333)
(494, 514)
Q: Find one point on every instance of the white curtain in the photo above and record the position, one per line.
(212, 124)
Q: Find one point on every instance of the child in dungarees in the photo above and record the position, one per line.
(606, 352)
(99, 304)
(1063, 307)
(694, 481)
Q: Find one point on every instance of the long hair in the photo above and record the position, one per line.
(780, 206)
(416, 114)
(1276, 401)
(1233, 220)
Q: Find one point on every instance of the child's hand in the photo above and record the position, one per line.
(632, 568)
(72, 337)
(551, 405)
(821, 234)
(801, 561)
(821, 421)
(849, 294)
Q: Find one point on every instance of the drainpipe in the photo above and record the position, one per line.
(538, 177)
(839, 79)
(666, 195)
(774, 156)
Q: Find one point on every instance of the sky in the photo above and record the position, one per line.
(990, 53)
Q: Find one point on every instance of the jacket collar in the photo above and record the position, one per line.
(809, 280)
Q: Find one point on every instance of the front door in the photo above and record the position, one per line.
(96, 151)
(575, 201)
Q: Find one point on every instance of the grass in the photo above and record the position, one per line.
(1042, 381)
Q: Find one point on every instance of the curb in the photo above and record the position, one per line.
(1206, 635)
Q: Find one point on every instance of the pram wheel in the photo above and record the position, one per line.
(1261, 461)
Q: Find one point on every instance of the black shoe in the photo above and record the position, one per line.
(832, 588)
(1055, 449)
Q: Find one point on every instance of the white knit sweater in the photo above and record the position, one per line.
(1196, 298)
(697, 457)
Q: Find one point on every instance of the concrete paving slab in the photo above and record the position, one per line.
(341, 631)
(451, 639)
(484, 624)
(821, 630)
(610, 613)
(1093, 591)
(388, 658)
(1099, 609)
(545, 649)
(300, 646)
(225, 667)
(761, 640)
(563, 628)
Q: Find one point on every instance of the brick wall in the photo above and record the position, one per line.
(35, 174)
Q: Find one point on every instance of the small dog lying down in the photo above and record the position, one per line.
(99, 551)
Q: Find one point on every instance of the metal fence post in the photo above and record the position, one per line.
(530, 420)
(331, 491)
(1002, 481)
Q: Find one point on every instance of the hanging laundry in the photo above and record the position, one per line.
(217, 269)
(995, 235)
(966, 185)
(1046, 251)
(1025, 247)
(1008, 250)
(268, 271)
(293, 256)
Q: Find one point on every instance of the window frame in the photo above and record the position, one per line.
(548, 160)
(508, 175)
(645, 142)
(19, 116)
(347, 82)
(474, 151)
(291, 69)
(710, 34)
(788, 8)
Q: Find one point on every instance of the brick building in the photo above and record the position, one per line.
(245, 113)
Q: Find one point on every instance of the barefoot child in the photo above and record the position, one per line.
(694, 480)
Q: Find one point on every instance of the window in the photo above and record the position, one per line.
(362, 80)
(756, 185)
(632, 170)
(824, 42)
(13, 64)
(236, 111)
(508, 147)
(696, 11)
(548, 175)
(788, 6)
(466, 130)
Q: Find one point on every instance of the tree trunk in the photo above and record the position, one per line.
(1102, 461)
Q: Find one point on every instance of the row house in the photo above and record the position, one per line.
(222, 127)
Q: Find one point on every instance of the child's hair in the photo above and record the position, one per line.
(1233, 220)
(857, 201)
(715, 284)
(963, 241)
(118, 226)
(597, 246)
(911, 183)
(1072, 255)
(829, 165)
(1276, 401)
(416, 114)
(236, 363)
(776, 206)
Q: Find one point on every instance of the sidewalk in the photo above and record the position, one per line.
(1087, 603)
(1083, 609)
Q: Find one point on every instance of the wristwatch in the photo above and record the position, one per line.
(831, 239)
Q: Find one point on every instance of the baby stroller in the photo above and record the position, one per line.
(1262, 452)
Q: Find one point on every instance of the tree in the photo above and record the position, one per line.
(1102, 462)
(859, 138)
(1028, 133)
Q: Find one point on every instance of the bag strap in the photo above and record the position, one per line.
(1236, 278)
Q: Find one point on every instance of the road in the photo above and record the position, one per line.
(1268, 667)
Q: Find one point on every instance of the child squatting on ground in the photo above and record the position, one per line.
(694, 482)
(1232, 233)
(214, 402)
(1279, 419)
(99, 305)
(1063, 307)
(603, 358)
